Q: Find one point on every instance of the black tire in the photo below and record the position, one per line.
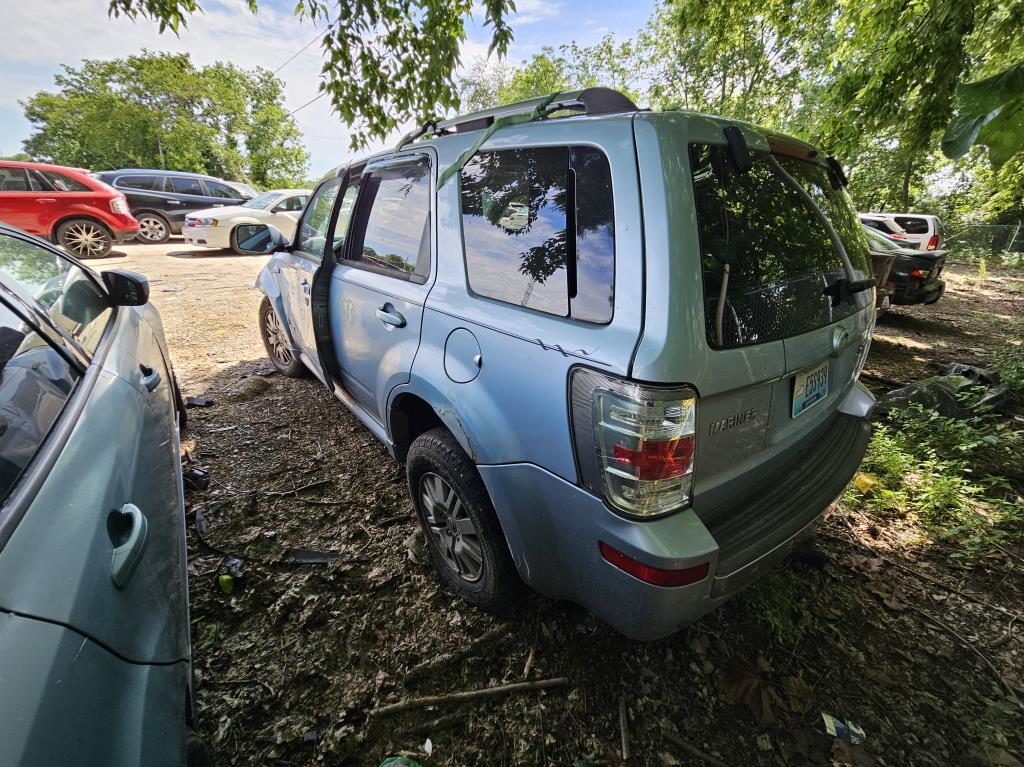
(497, 587)
(85, 238)
(275, 341)
(154, 229)
(179, 402)
(199, 754)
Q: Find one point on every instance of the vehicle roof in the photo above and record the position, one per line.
(894, 213)
(156, 172)
(42, 166)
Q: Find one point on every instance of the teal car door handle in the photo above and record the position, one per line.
(126, 528)
(150, 377)
(389, 316)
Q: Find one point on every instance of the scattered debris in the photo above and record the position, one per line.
(196, 478)
(311, 556)
(226, 583)
(847, 731)
(458, 697)
(199, 402)
(687, 746)
(623, 728)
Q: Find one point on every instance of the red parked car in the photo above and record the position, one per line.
(65, 205)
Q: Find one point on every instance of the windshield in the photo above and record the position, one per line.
(879, 241)
(262, 201)
(766, 257)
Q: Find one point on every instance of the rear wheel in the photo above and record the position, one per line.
(464, 537)
(153, 229)
(84, 238)
(277, 343)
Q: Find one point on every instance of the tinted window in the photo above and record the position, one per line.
(13, 180)
(312, 231)
(66, 292)
(517, 206)
(913, 225)
(394, 216)
(766, 258)
(292, 204)
(184, 185)
(216, 189)
(35, 382)
(62, 182)
(146, 183)
(878, 241)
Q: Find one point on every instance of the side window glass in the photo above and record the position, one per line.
(341, 224)
(312, 232)
(185, 185)
(35, 383)
(13, 180)
(37, 183)
(215, 189)
(146, 183)
(63, 183)
(394, 220)
(533, 220)
(291, 204)
(69, 295)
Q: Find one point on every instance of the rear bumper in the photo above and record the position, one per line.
(554, 528)
(911, 291)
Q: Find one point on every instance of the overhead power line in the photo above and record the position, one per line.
(315, 98)
(292, 57)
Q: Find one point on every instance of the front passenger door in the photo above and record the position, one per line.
(378, 290)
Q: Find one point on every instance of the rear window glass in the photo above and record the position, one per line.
(13, 180)
(518, 206)
(63, 183)
(912, 224)
(146, 183)
(766, 259)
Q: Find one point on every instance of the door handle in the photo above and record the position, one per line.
(126, 528)
(47, 199)
(389, 316)
(274, 269)
(150, 377)
(305, 287)
(173, 202)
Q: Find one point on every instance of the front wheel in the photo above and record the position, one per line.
(464, 537)
(277, 343)
(84, 238)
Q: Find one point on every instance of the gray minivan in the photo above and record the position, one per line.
(617, 350)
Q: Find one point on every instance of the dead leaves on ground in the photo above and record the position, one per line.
(744, 683)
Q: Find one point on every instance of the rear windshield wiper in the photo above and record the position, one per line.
(844, 289)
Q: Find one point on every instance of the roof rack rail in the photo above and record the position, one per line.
(588, 101)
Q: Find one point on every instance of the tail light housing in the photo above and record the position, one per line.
(933, 242)
(635, 443)
(119, 205)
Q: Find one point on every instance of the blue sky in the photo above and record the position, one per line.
(42, 36)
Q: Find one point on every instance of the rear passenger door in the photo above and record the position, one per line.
(380, 284)
(184, 194)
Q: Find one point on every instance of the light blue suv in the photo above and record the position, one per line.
(617, 350)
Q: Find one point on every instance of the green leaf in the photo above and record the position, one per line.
(989, 112)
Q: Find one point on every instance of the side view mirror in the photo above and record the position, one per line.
(258, 239)
(126, 288)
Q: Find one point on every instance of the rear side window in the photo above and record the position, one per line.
(765, 257)
(913, 224)
(35, 383)
(13, 180)
(145, 183)
(68, 295)
(185, 185)
(538, 229)
(393, 221)
(62, 182)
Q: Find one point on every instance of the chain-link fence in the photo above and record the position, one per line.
(997, 243)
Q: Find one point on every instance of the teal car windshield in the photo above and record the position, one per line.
(766, 258)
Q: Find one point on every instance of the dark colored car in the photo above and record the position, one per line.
(914, 277)
(64, 205)
(95, 659)
(160, 199)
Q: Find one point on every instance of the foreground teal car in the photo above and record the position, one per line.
(94, 631)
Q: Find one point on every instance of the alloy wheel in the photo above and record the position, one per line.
(451, 527)
(276, 337)
(84, 239)
(152, 229)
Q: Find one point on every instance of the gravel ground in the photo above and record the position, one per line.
(872, 627)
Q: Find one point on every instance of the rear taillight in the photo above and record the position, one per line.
(898, 236)
(918, 274)
(933, 242)
(635, 443)
(119, 205)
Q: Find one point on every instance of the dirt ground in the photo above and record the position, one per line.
(874, 627)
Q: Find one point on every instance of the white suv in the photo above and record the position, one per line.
(925, 231)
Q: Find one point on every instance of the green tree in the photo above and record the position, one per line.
(387, 61)
(159, 110)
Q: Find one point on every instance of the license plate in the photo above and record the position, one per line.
(809, 387)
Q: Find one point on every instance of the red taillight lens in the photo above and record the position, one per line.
(933, 242)
(654, 575)
(898, 236)
(917, 273)
(662, 459)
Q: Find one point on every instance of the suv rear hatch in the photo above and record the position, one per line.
(769, 352)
